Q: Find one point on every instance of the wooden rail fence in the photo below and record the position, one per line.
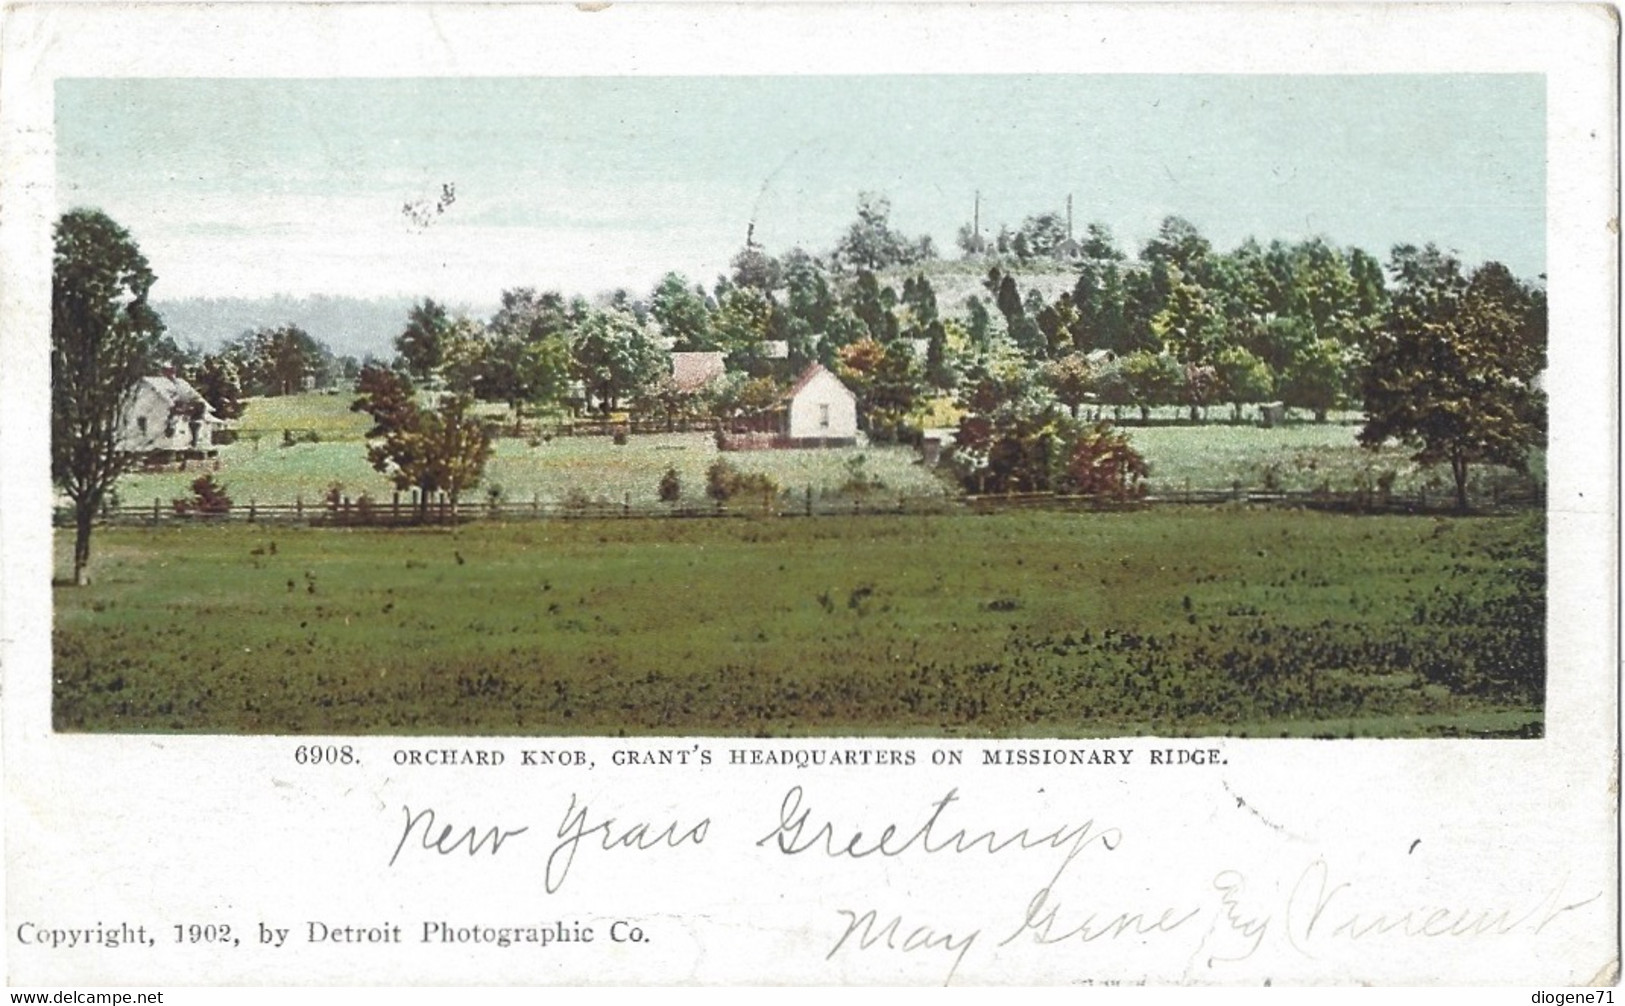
(403, 510)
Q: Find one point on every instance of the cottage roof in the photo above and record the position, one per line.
(693, 371)
(173, 390)
(807, 377)
(178, 394)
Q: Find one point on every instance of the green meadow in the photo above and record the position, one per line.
(1301, 457)
(1188, 621)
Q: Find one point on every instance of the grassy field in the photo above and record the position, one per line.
(1301, 457)
(326, 415)
(1185, 621)
(550, 471)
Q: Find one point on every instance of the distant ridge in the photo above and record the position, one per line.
(350, 326)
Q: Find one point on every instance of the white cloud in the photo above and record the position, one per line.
(249, 246)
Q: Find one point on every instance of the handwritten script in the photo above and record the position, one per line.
(1308, 908)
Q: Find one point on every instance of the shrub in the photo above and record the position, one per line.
(208, 497)
(719, 479)
(1102, 462)
(1014, 454)
(671, 487)
(858, 480)
(723, 482)
(620, 438)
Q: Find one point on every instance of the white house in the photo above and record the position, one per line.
(821, 409)
(166, 415)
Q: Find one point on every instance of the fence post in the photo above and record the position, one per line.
(251, 510)
(535, 502)
(626, 504)
(299, 505)
(155, 510)
(809, 501)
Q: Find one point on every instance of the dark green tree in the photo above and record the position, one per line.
(682, 314)
(1315, 378)
(104, 335)
(978, 323)
(215, 378)
(526, 358)
(873, 304)
(754, 267)
(443, 449)
(422, 344)
(1453, 372)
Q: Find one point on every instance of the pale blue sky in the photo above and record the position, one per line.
(255, 187)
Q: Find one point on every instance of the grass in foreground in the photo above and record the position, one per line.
(1187, 622)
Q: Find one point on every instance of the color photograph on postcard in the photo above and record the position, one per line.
(983, 406)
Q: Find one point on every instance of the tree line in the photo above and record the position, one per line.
(1310, 325)
(1439, 356)
(1178, 323)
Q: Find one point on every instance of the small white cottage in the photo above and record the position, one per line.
(166, 416)
(820, 409)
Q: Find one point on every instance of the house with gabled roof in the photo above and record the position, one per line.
(820, 410)
(166, 417)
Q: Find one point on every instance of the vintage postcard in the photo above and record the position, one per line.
(856, 494)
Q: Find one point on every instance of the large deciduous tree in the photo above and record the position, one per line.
(527, 354)
(1453, 371)
(431, 450)
(888, 383)
(103, 338)
(614, 356)
(1243, 378)
(682, 314)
